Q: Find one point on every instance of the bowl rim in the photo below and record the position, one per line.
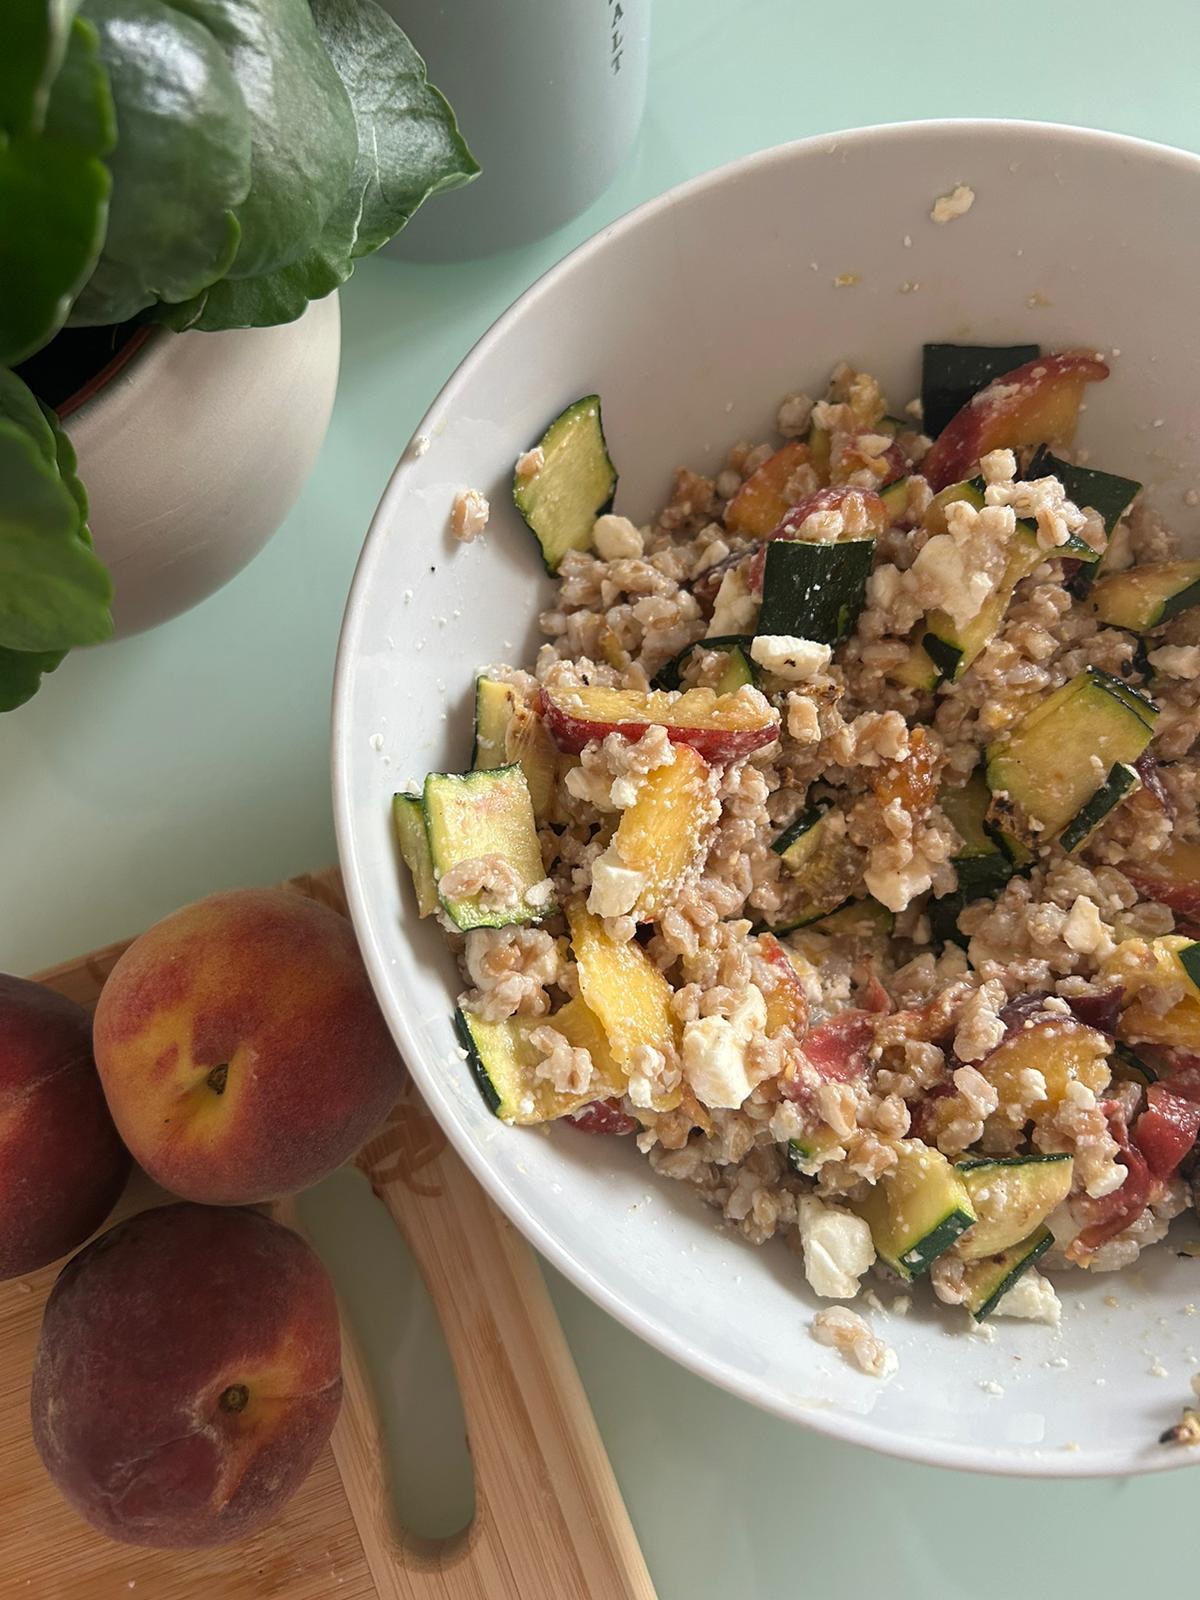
(840, 1425)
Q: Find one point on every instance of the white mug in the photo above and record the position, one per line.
(549, 95)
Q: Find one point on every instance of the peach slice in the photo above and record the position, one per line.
(1162, 1003)
(787, 1003)
(718, 727)
(1034, 404)
(661, 834)
(848, 457)
(758, 505)
(1173, 879)
(1061, 1049)
(626, 992)
(863, 510)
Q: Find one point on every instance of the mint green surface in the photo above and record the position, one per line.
(152, 771)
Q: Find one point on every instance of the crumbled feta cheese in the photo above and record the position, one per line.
(990, 1386)
(949, 572)
(714, 1052)
(616, 538)
(624, 791)
(1033, 1298)
(421, 444)
(1078, 1094)
(1177, 660)
(793, 416)
(469, 515)
(735, 608)
(1084, 932)
(788, 657)
(837, 1248)
(955, 204)
(539, 894)
(1108, 1180)
(998, 466)
(615, 887)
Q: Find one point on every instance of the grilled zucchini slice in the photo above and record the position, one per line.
(574, 485)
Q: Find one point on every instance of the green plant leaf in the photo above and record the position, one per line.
(408, 147)
(54, 192)
(54, 590)
(35, 42)
(182, 163)
(302, 126)
(21, 674)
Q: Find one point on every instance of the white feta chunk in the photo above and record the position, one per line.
(837, 1249)
(616, 538)
(1033, 1298)
(798, 660)
(615, 887)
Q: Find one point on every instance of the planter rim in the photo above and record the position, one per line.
(142, 339)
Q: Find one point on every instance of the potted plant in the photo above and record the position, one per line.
(170, 168)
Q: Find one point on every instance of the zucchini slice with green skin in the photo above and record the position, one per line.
(574, 485)
(800, 840)
(1128, 1066)
(1044, 768)
(816, 852)
(1147, 596)
(917, 671)
(493, 708)
(989, 1280)
(952, 373)
(858, 919)
(895, 498)
(1121, 782)
(408, 814)
(807, 1151)
(1012, 1196)
(504, 1063)
(489, 813)
(917, 1209)
(1189, 960)
(814, 591)
(982, 864)
(736, 646)
(1104, 492)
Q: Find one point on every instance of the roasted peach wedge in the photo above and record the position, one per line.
(626, 992)
(862, 510)
(1060, 1049)
(782, 987)
(758, 505)
(662, 833)
(718, 727)
(1173, 879)
(1034, 404)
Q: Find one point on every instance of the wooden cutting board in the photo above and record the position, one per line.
(549, 1521)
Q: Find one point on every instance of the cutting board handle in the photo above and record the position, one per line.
(549, 1520)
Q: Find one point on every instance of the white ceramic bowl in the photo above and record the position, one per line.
(692, 317)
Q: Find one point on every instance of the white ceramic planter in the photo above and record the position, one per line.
(194, 451)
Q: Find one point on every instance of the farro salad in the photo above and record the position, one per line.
(841, 845)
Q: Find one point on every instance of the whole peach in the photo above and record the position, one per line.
(62, 1165)
(188, 1374)
(241, 1049)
